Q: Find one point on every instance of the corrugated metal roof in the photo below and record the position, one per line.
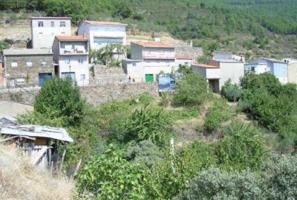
(13, 52)
(37, 131)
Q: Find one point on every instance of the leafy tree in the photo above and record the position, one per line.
(60, 99)
(231, 91)
(243, 147)
(109, 176)
(109, 55)
(191, 90)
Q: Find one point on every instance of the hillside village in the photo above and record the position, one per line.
(144, 119)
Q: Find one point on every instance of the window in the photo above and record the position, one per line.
(82, 77)
(62, 24)
(40, 24)
(67, 61)
(14, 64)
(29, 64)
(43, 63)
(52, 24)
(80, 60)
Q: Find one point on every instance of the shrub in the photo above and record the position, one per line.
(231, 91)
(216, 184)
(147, 123)
(217, 114)
(243, 147)
(281, 178)
(60, 99)
(191, 90)
(145, 152)
(109, 176)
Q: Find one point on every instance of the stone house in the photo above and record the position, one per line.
(148, 60)
(102, 33)
(71, 57)
(44, 30)
(27, 67)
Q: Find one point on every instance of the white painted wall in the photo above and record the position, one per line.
(231, 70)
(43, 37)
(102, 31)
(72, 64)
(137, 70)
(258, 68)
(158, 53)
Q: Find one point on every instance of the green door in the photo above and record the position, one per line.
(149, 78)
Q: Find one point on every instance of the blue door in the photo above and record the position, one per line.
(43, 77)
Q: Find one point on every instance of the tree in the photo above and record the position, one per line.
(60, 99)
(231, 91)
(243, 147)
(191, 90)
(109, 55)
(109, 176)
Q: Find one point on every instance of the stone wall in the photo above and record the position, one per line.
(97, 95)
(94, 95)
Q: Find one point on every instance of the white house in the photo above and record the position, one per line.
(71, 57)
(44, 30)
(220, 70)
(148, 60)
(278, 68)
(102, 33)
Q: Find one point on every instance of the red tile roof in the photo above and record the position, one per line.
(205, 66)
(152, 44)
(98, 23)
(71, 38)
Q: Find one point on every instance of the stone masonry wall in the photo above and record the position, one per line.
(29, 74)
(94, 95)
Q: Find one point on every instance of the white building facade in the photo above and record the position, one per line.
(45, 29)
(101, 34)
(71, 57)
(148, 60)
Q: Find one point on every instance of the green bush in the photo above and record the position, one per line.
(281, 178)
(109, 176)
(191, 90)
(145, 152)
(217, 114)
(147, 123)
(243, 147)
(216, 184)
(273, 105)
(231, 91)
(60, 99)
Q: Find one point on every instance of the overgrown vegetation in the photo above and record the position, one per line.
(130, 149)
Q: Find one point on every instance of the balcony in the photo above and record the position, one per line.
(78, 50)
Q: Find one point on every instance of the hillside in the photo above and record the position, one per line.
(253, 28)
(19, 180)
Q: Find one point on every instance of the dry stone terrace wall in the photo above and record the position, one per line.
(94, 95)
